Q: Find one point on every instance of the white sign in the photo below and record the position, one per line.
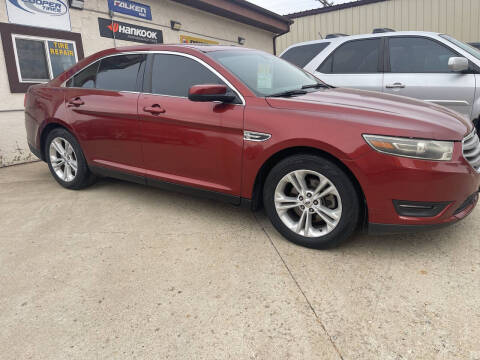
(51, 14)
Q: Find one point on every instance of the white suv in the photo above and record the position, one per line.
(424, 65)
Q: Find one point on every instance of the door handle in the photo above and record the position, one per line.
(396, 85)
(76, 102)
(155, 109)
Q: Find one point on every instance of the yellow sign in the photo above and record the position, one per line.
(184, 39)
(60, 48)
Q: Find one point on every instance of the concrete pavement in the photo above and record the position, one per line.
(121, 270)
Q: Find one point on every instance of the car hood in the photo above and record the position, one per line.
(389, 114)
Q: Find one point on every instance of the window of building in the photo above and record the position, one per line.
(174, 75)
(302, 55)
(42, 59)
(418, 55)
(353, 57)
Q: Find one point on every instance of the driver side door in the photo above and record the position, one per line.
(197, 144)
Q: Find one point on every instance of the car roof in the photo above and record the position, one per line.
(199, 47)
(342, 39)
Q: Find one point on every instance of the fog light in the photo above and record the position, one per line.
(419, 209)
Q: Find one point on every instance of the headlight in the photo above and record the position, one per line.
(412, 148)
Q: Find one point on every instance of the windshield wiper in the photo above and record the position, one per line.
(315, 86)
(289, 93)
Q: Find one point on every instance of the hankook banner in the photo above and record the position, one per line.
(51, 14)
(129, 32)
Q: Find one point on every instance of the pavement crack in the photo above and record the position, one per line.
(300, 288)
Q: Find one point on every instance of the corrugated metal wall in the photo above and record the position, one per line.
(459, 18)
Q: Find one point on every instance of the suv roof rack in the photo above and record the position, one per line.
(335, 35)
(382, 30)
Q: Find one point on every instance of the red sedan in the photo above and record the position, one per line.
(247, 127)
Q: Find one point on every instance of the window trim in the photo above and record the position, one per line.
(380, 61)
(45, 41)
(147, 72)
(388, 68)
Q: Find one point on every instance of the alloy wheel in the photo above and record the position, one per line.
(63, 159)
(308, 203)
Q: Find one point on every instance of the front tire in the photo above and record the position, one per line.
(311, 201)
(66, 160)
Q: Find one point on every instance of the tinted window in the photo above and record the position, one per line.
(86, 77)
(418, 55)
(119, 73)
(32, 60)
(302, 55)
(353, 57)
(174, 75)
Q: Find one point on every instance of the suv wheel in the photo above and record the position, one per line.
(66, 161)
(311, 201)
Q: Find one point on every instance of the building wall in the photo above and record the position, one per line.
(459, 18)
(13, 145)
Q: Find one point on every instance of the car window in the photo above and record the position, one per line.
(264, 73)
(86, 77)
(174, 75)
(353, 57)
(303, 54)
(119, 73)
(418, 55)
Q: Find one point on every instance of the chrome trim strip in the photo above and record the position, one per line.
(168, 53)
(255, 136)
(449, 102)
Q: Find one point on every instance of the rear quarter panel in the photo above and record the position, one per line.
(43, 105)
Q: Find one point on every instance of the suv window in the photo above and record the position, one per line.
(174, 75)
(119, 73)
(418, 55)
(353, 57)
(85, 78)
(302, 55)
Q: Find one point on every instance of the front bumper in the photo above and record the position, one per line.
(461, 213)
(387, 179)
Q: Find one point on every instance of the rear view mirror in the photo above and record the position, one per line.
(210, 92)
(458, 64)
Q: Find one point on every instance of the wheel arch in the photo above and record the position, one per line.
(257, 193)
(50, 126)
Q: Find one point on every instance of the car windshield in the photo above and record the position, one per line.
(468, 48)
(265, 74)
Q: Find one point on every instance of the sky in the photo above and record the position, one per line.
(290, 6)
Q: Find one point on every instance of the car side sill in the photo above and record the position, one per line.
(185, 189)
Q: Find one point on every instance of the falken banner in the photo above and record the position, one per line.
(130, 32)
(51, 14)
(131, 8)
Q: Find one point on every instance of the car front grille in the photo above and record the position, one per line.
(471, 150)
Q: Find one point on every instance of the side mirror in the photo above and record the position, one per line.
(458, 64)
(213, 92)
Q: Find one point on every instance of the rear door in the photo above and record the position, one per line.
(418, 67)
(355, 64)
(101, 102)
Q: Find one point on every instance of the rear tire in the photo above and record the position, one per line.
(311, 201)
(66, 161)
